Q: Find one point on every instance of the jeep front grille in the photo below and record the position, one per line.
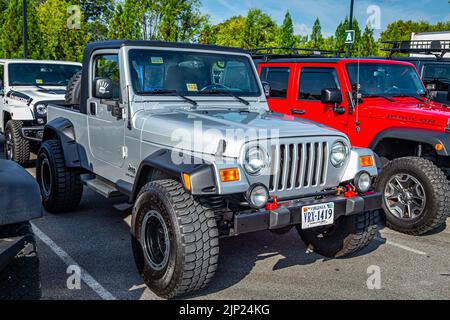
(299, 166)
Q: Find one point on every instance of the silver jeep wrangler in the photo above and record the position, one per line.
(184, 132)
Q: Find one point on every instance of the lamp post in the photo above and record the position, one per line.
(350, 26)
(25, 29)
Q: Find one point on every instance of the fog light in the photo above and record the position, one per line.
(363, 182)
(258, 196)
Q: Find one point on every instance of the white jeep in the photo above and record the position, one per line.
(26, 88)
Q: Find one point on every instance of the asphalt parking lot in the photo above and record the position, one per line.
(96, 239)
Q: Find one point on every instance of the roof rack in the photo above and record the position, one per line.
(438, 48)
(289, 52)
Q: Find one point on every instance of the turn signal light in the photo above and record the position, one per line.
(230, 175)
(187, 181)
(366, 161)
(439, 147)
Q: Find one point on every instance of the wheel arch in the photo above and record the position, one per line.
(385, 142)
(63, 130)
(160, 165)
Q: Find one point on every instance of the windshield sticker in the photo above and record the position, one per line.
(39, 81)
(157, 60)
(192, 87)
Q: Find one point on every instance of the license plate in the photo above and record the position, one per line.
(317, 215)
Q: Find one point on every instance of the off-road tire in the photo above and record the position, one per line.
(20, 146)
(436, 186)
(21, 279)
(348, 235)
(66, 188)
(73, 92)
(193, 234)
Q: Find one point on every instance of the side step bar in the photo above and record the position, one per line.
(100, 186)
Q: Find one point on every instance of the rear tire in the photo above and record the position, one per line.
(61, 187)
(16, 147)
(429, 188)
(175, 240)
(348, 235)
(21, 279)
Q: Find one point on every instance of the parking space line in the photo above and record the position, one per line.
(85, 276)
(401, 246)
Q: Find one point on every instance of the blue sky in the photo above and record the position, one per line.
(330, 12)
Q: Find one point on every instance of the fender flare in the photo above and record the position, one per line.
(425, 136)
(63, 129)
(202, 177)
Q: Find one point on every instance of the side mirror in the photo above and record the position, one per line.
(103, 88)
(331, 96)
(266, 87)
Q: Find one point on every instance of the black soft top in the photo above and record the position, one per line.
(117, 44)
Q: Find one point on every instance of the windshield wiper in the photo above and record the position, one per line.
(44, 89)
(166, 91)
(379, 96)
(230, 93)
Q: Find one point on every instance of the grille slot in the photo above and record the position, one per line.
(298, 166)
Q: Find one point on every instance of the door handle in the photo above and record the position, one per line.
(93, 108)
(299, 112)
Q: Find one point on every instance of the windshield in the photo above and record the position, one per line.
(41, 74)
(191, 73)
(438, 74)
(380, 79)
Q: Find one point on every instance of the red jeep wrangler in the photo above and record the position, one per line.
(381, 104)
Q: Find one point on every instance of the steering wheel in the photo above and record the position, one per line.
(215, 86)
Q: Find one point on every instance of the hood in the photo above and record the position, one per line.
(407, 110)
(34, 95)
(202, 131)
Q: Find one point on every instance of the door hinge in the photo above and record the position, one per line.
(124, 152)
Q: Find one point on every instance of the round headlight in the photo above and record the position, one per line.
(258, 196)
(41, 109)
(339, 153)
(256, 161)
(363, 182)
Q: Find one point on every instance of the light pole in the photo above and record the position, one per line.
(350, 26)
(25, 29)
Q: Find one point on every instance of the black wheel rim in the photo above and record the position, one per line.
(46, 177)
(155, 240)
(9, 146)
(405, 197)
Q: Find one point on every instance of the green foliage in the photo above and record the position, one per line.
(356, 48)
(287, 37)
(259, 30)
(11, 39)
(401, 30)
(316, 40)
(369, 47)
(125, 23)
(97, 14)
(61, 42)
(227, 33)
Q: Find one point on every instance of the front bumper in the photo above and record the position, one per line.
(34, 134)
(290, 215)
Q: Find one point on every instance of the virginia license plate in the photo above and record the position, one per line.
(317, 215)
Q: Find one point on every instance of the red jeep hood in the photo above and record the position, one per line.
(407, 110)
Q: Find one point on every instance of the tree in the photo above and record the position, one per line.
(125, 23)
(259, 30)
(61, 42)
(97, 14)
(227, 33)
(287, 37)
(339, 43)
(369, 47)
(316, 40)
(11, 36)
(401, 30)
